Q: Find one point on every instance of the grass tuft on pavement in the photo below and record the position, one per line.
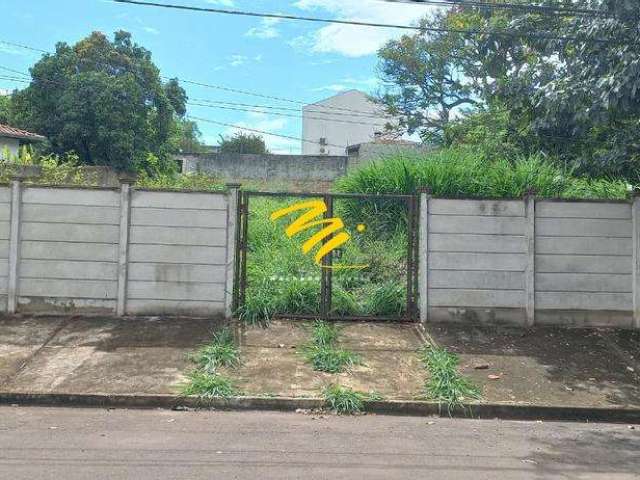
(209, 385)
(205, 380)
(446, 384)
(344, 399)
(221, 352)
(322, 353)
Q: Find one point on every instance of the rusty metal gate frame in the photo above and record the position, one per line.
(240, 277)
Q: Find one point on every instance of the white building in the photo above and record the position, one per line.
(11, 139)
(348, 118)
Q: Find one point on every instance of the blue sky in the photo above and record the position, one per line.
(295, 60)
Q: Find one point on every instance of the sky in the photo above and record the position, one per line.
(299, 61)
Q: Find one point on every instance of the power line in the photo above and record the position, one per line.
(549, 9)
(291, 115)
(217, 87)
(420, 28)
(215, 122)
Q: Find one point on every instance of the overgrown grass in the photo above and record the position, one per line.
(345, 400)
(209, 385)
(322, 352)
(445, 383)
(206, 380)
(221, 352)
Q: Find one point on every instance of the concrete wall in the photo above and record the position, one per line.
(345, 119)
(232, 166)
(530, 262)
(116, 251)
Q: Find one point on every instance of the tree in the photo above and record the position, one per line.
(5, 107)
(243, 143)
(104, 100)
(424, 80)
(187, 138)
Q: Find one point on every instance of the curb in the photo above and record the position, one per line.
(288, 404)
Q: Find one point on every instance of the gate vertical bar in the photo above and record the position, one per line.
(635, 219)
(244, 215)
(326, 276)
(416, 257)
(410, 253)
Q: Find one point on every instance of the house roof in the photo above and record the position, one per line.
(11, 132)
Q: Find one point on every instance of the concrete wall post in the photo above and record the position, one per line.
(530, 273)
(423, 255)
(14, 245)
(123, 244)
(233, 190)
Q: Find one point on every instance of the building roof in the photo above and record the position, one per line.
(11, 132)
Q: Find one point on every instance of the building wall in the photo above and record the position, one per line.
(116, 251)
(10, 144)
(340, 128)
(235, 166)
(530, 262)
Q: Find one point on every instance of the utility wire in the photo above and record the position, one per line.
(215, 122)
(549, 9)
(291, 115)
(505, 33)
(217, 87)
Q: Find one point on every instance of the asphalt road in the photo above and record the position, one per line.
(39, 443)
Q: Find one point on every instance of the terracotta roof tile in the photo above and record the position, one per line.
(7, 131)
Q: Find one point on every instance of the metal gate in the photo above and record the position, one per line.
(327, 256)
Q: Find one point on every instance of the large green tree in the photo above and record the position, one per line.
(564, 85)
(103, 99)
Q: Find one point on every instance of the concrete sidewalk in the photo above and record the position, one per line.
(541, 367)
(97, 355)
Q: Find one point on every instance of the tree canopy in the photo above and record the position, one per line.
(243, 143)
(105, 100)
(564, 85)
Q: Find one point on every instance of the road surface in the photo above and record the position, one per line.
(58, 443)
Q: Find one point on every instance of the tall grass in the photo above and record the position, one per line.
(461, 172)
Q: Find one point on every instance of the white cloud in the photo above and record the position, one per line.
(353, 40)
(348, 83)
(151, 30)
(240, 60)
(265, 30)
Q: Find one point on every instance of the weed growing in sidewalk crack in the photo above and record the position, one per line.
(445, 383)
(206, 381)
(322, 353)
(221, 352)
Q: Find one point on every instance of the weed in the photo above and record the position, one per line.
(323, 354)
(221, 352)
(344, 399)
(208, 385)
(445, 383)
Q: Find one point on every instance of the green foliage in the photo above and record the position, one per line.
(445, 384)
(460, 172)
(574, 101)
(186, 181)
(388, 299)
(243, 143)
(221, 352)
(102, 99)
(344, 400)
(208, 385)
(323, 354)
(5, 109)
